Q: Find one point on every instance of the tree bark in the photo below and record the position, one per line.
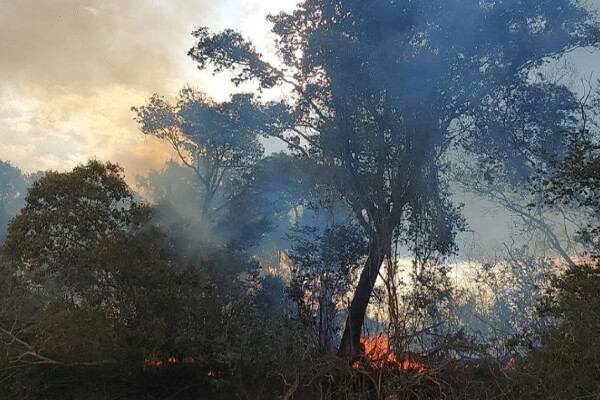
(379, 246)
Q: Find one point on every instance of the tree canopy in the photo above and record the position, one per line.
(342, 267)
(218, 141)
(380, 89)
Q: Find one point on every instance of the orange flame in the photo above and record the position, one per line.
(510, 364)
(379, 355)
(153, 362)
(157, 362)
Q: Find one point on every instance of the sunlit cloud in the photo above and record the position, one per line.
(70, 71)
(94, 11)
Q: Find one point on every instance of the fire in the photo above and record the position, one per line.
(157, 362)
(379, 355)
(413, 365)
(153, 362)
(510, 364)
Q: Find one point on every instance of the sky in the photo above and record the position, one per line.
(70, 71)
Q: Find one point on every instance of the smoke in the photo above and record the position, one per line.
(81, 46)
(71, 69)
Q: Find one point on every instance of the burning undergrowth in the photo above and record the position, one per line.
(378, 355)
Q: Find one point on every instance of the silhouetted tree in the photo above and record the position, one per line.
(217, 141)
(379, 88)
(91, 288)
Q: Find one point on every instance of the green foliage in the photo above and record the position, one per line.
(217, 141)
(565, 366)
(94, 297)
(380, 87)
(90, 282)
(572, 178)
(66, 219)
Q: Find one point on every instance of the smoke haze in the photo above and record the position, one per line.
(71, 70)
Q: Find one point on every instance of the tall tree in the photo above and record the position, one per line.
(217, 141)
(65, 217)
(378, 89)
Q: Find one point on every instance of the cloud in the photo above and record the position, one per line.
(91, 10)
(83, 44)
(57, 129)
(72, 44)
(71, 69)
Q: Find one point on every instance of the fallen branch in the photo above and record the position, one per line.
(40, 359)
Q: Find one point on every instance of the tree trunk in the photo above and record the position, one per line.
(380, 245)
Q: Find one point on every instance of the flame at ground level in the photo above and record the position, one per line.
(377, 354)
(510, 365)
(157, 363)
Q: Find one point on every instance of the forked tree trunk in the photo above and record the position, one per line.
(379, 246)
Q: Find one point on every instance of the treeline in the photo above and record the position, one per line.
(103, 299)
(108, 296)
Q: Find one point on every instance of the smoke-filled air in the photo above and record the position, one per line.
(328, 200)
